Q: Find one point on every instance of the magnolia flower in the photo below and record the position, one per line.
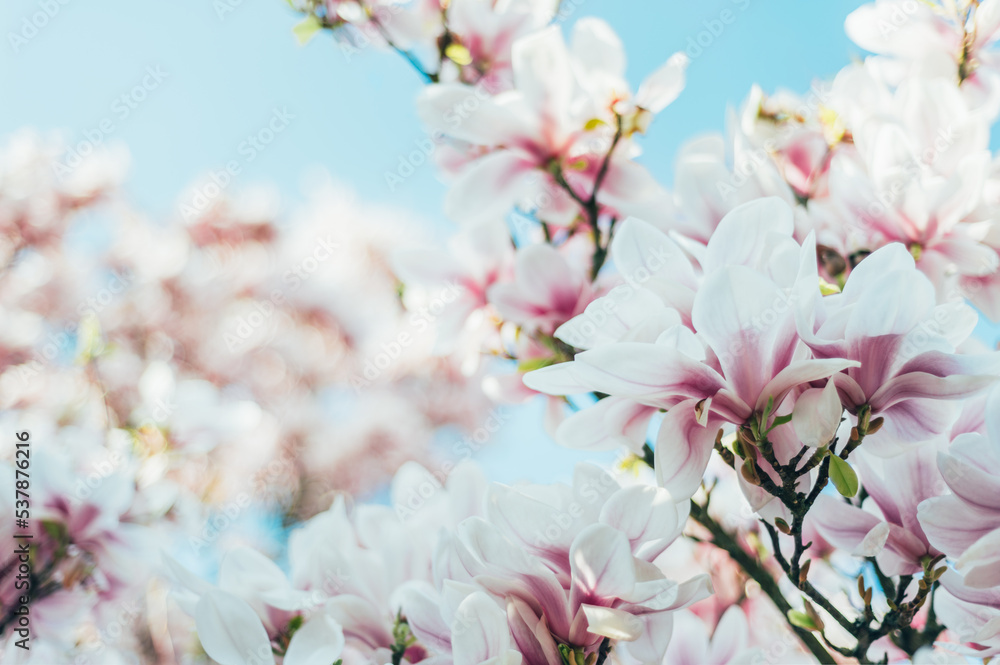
(966, 524)
(572, 566)
(886, 526)
(746, 354)
(907, 369)
(488, 30)
(541, 128)
(728, 644)
(477, 258)
(948, 39)
(972, 614)
(546, 291)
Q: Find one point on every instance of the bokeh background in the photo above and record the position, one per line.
(228, 64)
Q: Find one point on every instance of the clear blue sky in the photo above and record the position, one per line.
(355, 118)
(225, 75)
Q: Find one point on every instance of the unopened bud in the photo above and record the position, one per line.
(804, 572)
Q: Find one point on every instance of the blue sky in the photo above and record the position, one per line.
(221, 76)
(225, 73)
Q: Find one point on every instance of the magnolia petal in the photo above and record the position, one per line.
(612, 623)
(664, 85)
(318, 642)
(479, 631)
(230, 631)
(601, 564)
(817, 414)
(683, 448)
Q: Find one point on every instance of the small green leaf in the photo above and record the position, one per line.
(801, 620)
(305, 29)
(531, 364)
(458, 54)
(843, 476)
(781, 420)
(593, 124)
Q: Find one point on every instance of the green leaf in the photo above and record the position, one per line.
(801, 620)
(531, 364)
(305, 29)
(593, 124)
(843, 476)
(781, 420)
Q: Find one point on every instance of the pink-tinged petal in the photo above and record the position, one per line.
(689, 644)
(967, 471)
(968, 257)
(972, 614)
(601, 565)
(531, 634)
(984, 292)
(662, 87)
(544, 76)
(912, 421)
(443, 108)
(799, 373)
(903, 552)
(479, 631)
(490, 187)
(956, 586)
(731, 636)
(628, 186)
(980, 564)
(747, 234)
(359, 619)
(916, 385)
(648, 516)
(230, 631)
(683, 448)
(319, 641)
(546, 291)
(952, 526)
(850, 392)
(848, 528)
(525, 518)
(748, 322)
(611, 423)
(612, 623)
(658, 632)
(817, 414)
(421, 605)
(649, 371)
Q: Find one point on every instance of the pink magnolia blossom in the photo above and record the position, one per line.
(966, 523)
(540, 127)
(746, 352)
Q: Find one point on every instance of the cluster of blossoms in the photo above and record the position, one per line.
(186, 379)
(780, 346)
(793, 319)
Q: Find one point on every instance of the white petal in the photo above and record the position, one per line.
(318, 642)
(230, 631)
